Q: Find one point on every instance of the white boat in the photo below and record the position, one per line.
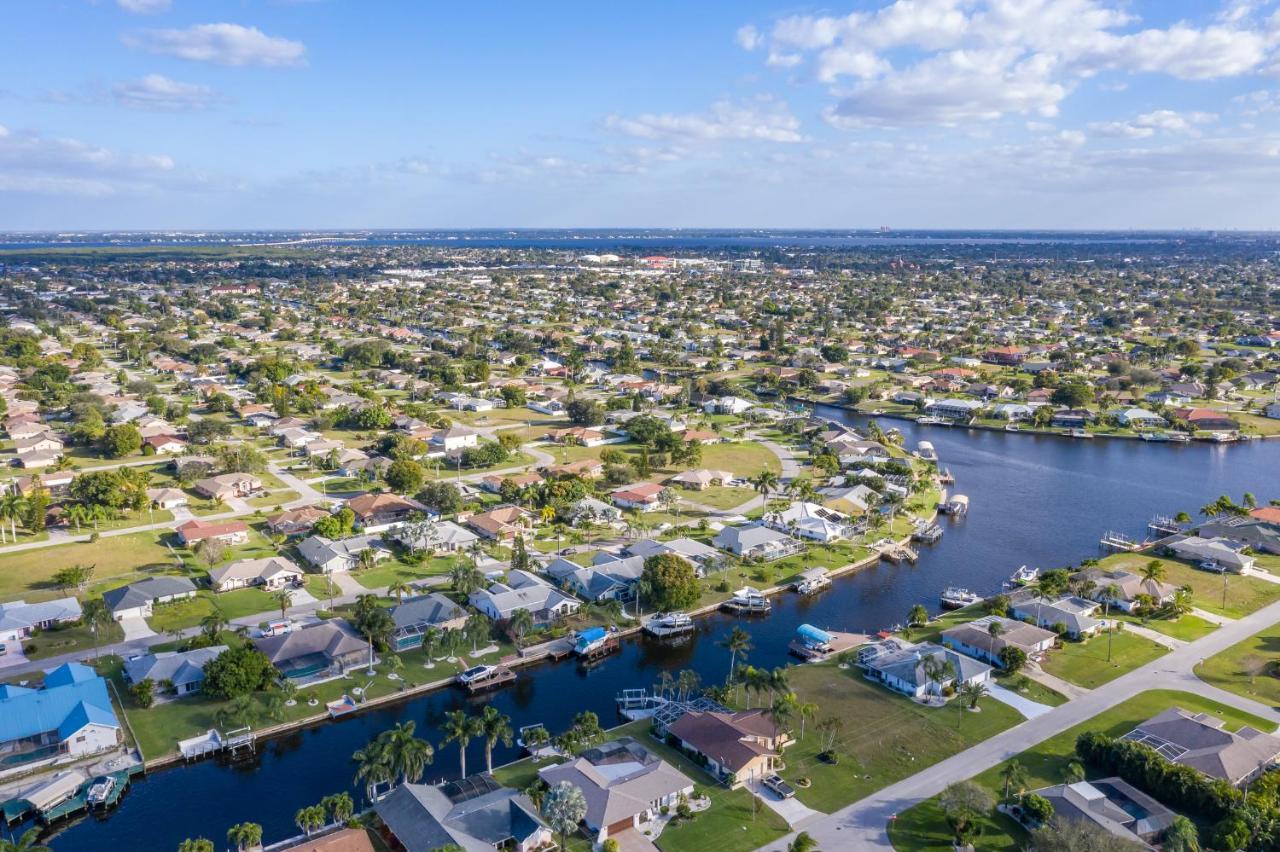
(1155, 436)
(1024, 576)
(925, 450)
(666, 624)
(955, 598)
(1179, 437)
(748, 601)
(957, 505)
(812, 581)
(929, 421)
(1080, 433)
(100, 791)
(475, 674)
(1012, 427)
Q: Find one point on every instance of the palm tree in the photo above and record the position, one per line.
(466, 578)
(477, 627)
(764, 482)
(783, 708)
(564, 807)
(1153, 572)
(804, 842)
(1074, 772)
(737, 642)
(28, 841)
(918, 616)
(460, 728)
(309, 819)
(937, 671)
(399, 588)
(213, 624)
(283, 599)
(245, 835)
(520, 623)
(339, 806)
(96, 616)
(495, 727)
(373, 767)
(1111, 593)
(407, 754)
(994, 630)
(1014, 776)
(806, 710)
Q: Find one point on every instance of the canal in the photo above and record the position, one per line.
(1042, 501)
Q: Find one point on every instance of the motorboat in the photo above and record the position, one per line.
(1080, 433)
(668, 624)
(748, 601)
(925, 450)
(593, 641)
(1024, 576)
(100, 791)
(954, 597)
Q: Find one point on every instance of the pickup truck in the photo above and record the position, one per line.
(778, 786)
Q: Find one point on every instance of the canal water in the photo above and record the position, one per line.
(1041, 501)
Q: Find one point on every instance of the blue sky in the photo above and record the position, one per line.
(191, 114)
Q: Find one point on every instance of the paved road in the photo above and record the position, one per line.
(862, 825)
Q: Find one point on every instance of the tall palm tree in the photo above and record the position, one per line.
(994, 629)
(806, 710)
(1014, 776)
(466, 578)
(399, 588)
(495, 727)
(408, 755)
(373, 767)
(918, 616)
(96, 617)
(1153, 571)
(1112, 593)
(213, 624)
(764, 482)
(283, 599)
(460, 728)
(520, 623)
(738, 642)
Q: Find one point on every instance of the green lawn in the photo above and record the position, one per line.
(781, 572)
(742, 458)
(189, 613)
(1248, 668)
(1243, 594)
(275, 498)
(1031, 690)
(923, 826)
(385, 573)
(68, 640)
(1188, 627)
(718, 496)
(1086, 664)
(886, 737)
(28, 573)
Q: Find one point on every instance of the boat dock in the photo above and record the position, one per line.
(927, 533)
(636, 704)
(899, 553)
(599, 650)
(213, 741)
(1120, 542)
(500, 676)
(814, 645)
(945, 477)
(1166, 525)
(67, 794)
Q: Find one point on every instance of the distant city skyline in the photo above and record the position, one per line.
(328, 114)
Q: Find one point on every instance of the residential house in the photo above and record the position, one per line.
(324, 649)
(435, 537)
(523, 590)
(736, 747)
(1128, 586)
(229, 486)
(183, 671)
(138, 600)
(757, 541)
(812, 521)
(610, 577)
(167, 498)
(591, 510)
(701, 479)
(69, 716)
(625, 785)
(954, 409)
(336, 556)
(493, 483)
(702, 557)
(1114, 805)
(902, 667)
(1074, 614)
(381, 512)
(1200, 741)
(452, 439)
(472, 814)
(1207, 419)
(165, 445)
(1217, 553)
(295, 522)
(272, 573)
(194, 531)
(502, 524)
(975, 638)
(642, 496)
(20, 620)
(415, 616)
(1253, 531)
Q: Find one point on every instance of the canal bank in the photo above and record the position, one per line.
(1035, 500)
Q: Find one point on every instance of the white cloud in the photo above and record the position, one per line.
(955, 61)
(223, 44)
(749, 37)
(1150, 123)
(157, 92)
(30, 162)
(144, 7)
(764, 120)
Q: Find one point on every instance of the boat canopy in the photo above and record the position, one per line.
(51, 793)
(812, 634)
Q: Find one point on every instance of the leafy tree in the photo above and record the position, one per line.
(1037, 807)
(144, 692)
(444, 497)
(241, 670)
(669, 583)
(1012, 658)
(121, 440)
(585, 412)
(373, 621)
(405, 476)
(1061, 834)
(965, 804)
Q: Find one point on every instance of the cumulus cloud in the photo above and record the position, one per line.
(954, 61)
(157, 92)
(1150, 123)
(31, 162)
(763, 120)
(222, 44)
(748, 37)
(144, 7)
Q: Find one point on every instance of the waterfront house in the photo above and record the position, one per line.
(610, 577)
(901, 666)
(812, 521)
(523, 590)
(1200, 741)
(138, 600)
(472, 814)
(756, 541)
(1253, 531)
(1073, 614)
(702, 557)
(954, 409)
(1219, 553)
(20, 620)
(195, 531)
(1128, 587)
(272, 574)
(69, 716)
(180, 671)
(975, 639)
(340, 555)
(1112, 804)
(1139, 418)
(624, 784)
(1207, 419)
(1072, 418)
(321, 650)
(414, 616)
(734, 747)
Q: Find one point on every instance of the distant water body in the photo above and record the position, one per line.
(610, 239)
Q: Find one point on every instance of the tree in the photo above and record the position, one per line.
(339, 806)
(399, 588)
(764, 482)
(309, 819)
(585, 412)
(121, 440)
(374, 622)
(283, 599)
(237, 671)
(520, 623)
(917, 616)
(563, 807)
(460, 728)
(407, 754)
(1012, 658)
(519, 555)
(245, 835)
(144, 692)
(1014, 775)
(670, 583)
(28, 841)
(1037, 808)
(74, 577)
(1153, 571)
(496, 728)
(738, 643)
(196, 844)
(964, 804)
(95, 615)
(213, 624)
(405, 476)
(466, 578)
(804, 842)
(1181, 836)
(1062, 834)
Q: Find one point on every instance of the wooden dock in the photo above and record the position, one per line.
(609, 646)
(501, 676)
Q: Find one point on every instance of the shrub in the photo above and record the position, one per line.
(1037, 808)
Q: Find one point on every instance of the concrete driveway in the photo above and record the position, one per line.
(1021, 703)
(136, 628)
(632, 840)
(792, 810)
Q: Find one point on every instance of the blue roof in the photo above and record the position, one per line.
(8, 690)
(70, 700)
(591, 634)
(813, 634)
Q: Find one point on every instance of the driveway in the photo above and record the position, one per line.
(792, 810)
(632, 840)
(15, 657)
(1021, 703)
(136, 628)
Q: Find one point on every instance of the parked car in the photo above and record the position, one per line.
(780, 787)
